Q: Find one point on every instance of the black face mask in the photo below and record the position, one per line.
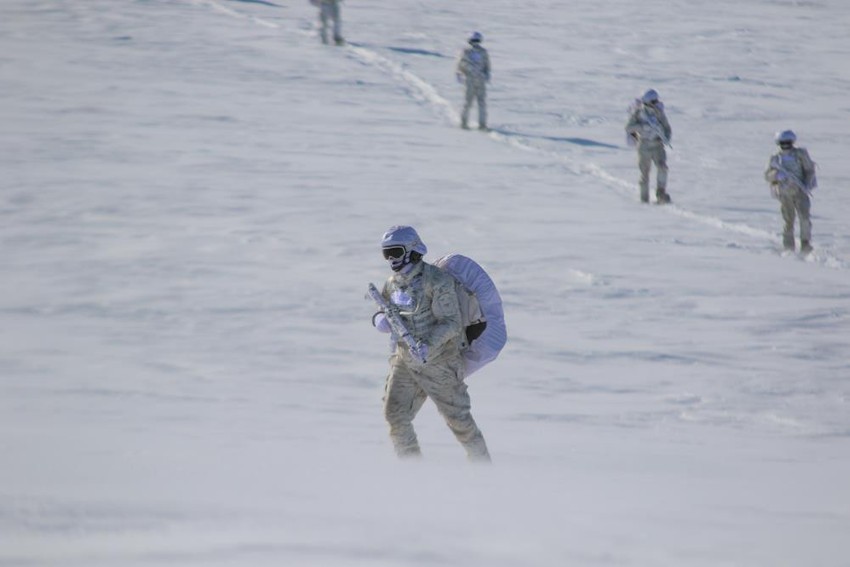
(397, 256)
(786, 145)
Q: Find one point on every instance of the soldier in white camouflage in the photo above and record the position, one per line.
(426, 300)
(649, 128)
(473, 71)
(791, 174)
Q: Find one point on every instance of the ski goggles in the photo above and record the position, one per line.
(393, 252)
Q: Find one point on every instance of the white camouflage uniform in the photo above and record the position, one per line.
(648, 123)
(473, 68)
(428, 304)
(791, 174)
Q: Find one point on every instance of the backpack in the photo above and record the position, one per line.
(482, 314)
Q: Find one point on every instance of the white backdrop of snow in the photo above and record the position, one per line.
(191, 200)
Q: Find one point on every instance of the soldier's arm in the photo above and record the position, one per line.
(810, 180)
(770, 172)
(668, 131)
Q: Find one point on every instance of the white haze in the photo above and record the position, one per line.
(192, 197)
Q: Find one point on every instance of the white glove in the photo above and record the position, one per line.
(381, 322)
(401, 298)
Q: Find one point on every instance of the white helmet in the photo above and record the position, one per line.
(399, 244)
(649, 96)
(476, 37)
(785, 137)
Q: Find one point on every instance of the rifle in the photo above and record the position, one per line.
(792, 179)
(396, 323)
(659, 131)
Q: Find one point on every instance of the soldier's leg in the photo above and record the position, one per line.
(660, 159)
(324, 15)
(444, 385)
(400, 399)
(804, 205)
(468, 96)
(418, 401)
(482, 106)
(337, 24)
(788, 209)
(644, 163)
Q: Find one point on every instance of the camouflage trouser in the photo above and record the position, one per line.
(649, 153)
(330, 12)
(793, 202)
(407, 390)
(476, 90)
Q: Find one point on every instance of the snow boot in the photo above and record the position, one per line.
(805, 247)
(661, 196)
(788, 242)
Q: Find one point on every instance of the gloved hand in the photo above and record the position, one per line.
(459, 78)
(781, 176)
(380, 321)
(421, 351)
(401, 298)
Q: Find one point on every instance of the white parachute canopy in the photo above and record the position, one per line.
(486, 347)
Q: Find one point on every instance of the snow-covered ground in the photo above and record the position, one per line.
(191, 201)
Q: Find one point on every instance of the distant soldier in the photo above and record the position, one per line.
(791, 174)
(650, 130)
(329, 11)
(473, 70)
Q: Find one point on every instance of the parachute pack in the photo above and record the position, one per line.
(481, 310)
